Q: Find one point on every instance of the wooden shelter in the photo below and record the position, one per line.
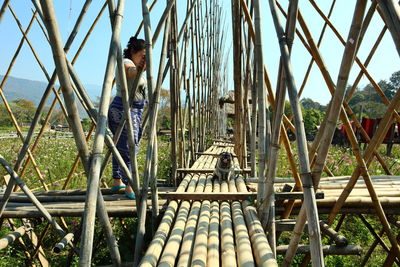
(207, 222)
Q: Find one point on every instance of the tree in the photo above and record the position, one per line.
(312, 118)
(395, 81)
(23, 110)
(308, 103)
(86, 124)
(5, 119)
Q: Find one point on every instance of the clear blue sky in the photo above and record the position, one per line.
(91, 64)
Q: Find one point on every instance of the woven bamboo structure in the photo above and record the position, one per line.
(205, 222)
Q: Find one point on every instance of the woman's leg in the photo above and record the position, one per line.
(114, 118)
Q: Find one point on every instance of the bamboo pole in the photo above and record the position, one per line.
(62, 70)
(152, 131)
(200, 247)
(10, 238)
(268, 206)
(153, 118)
(372, 231)
(171, 249)
(309, 195)
(213, 244)
(261, 98)
(61, 245)
(32, 197)
(244, 251)
(93, 194)
(227, 237)
(377, 139)
(156, 246)
(41, 105)
(363, 68)
(3, 9)
(199, 257)
(173, 47)
(59, 90)
(391, 15)
(261, 249)
(391, 257)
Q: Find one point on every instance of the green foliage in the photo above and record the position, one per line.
(86, 124)
(368, 103)
(5, 119)
(312, 118)
(308, 103)
(164, 121)
(23, 110)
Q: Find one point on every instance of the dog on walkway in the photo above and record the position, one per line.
(224, 167)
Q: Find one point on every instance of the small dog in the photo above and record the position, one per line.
(223, 168)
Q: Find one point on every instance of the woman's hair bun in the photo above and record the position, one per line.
(134, 45)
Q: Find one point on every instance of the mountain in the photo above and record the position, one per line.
(16, 88)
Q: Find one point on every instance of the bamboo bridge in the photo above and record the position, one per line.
(198, 221)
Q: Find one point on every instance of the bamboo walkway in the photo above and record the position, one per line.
(200, 233)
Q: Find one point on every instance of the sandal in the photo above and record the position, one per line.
(130, 196)
(117, 188)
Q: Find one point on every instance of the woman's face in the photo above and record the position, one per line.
(139, 58)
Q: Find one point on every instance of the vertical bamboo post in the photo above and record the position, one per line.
(173, 47)
(237, 76)
(261, 93)
(309, 194)
(94, 175)
(152, 131)
(268, 207)
(155, 101)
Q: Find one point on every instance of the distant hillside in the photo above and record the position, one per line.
(16, 88)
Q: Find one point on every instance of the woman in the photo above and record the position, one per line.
(134, 59)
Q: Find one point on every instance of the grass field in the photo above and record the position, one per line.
(55, 156)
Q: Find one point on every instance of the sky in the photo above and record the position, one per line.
(91, 64)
